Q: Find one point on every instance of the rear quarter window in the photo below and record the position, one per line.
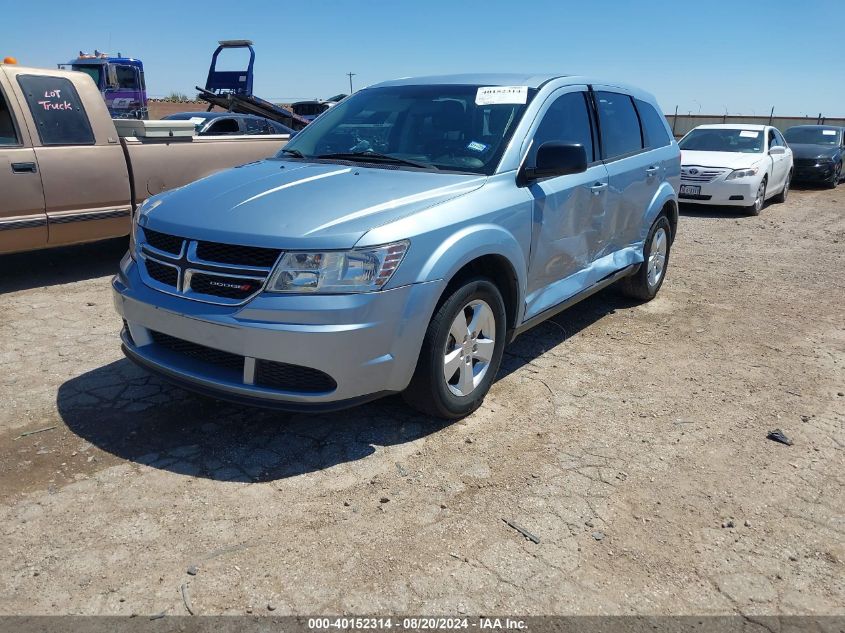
(57, 110)
(619, 125)
(654, 125)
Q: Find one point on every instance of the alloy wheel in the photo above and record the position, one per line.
(657, 257)
(469, 347)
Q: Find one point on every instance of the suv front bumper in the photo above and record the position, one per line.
(365, 344)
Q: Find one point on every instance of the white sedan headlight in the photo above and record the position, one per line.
(743, 173)
(358, 270)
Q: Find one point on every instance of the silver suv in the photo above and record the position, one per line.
(401, 240)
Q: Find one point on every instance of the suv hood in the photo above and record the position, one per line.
(730, 160)
(294, 205)
(802, 150)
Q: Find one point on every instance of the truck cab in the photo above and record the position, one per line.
(119, 79)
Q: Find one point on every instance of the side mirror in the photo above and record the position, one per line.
(777, 149)
(557, 159)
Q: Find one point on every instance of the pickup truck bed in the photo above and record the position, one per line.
(66, 176)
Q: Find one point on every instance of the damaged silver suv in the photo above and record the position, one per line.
(401, 240)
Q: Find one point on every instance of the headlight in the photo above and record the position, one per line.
(358, 270)
(743, 173)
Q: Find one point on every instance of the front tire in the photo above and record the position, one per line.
(759, 200)
(645, 283)
(837, 176)
(461, 352)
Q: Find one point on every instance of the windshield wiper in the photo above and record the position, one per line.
(376, 157)
(294, 152)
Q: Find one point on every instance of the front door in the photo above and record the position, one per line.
(23, 222)
(568, 214)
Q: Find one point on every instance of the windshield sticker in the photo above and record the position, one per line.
(492, 95)
(196, 120)
(475, 146)
(829, 132)
(749, 134)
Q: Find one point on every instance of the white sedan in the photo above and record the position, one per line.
(735, 165)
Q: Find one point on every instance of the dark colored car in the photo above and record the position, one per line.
(224, 123)
(818, 151)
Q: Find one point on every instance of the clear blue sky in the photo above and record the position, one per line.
(741, 55)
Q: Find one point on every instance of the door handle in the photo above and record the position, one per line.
(598, 188)
(651, 171)
(24, 168)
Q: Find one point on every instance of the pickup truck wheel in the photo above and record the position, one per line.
(759, 199)
(645, 283)
(781, 197)
(461, 352)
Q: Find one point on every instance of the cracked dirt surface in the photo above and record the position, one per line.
(624, 436)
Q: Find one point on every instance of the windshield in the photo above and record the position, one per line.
(721, 140)
(813, 136)
(437, 126)
(92, 71)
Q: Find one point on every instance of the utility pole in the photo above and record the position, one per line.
(350, 75)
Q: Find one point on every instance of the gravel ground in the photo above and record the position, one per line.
(630, 439)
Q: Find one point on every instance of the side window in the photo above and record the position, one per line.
(779, 137)
(222, 126)
(8, 135)
(619, 124)
(567, 120)
(773, 141)
(257, 126)
(57, 110)
(654, 125)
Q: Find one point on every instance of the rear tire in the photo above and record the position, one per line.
(781, 197)
(645, 283)
(461, 352)
(760, 200)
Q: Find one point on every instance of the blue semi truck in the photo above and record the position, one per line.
(120, 80)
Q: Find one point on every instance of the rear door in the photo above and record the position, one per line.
(569, 211)
(23, 222)
(633, 172)
(82, 166)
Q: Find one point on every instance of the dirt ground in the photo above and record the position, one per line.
(631, 439)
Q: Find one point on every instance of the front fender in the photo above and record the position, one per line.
(470, 243)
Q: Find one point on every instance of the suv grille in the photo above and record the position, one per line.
(164, 242)
(198, 352)
(228, 287)
(292, 377)
(240, 255)
(167, 275)
(269, 374)
(227, 274)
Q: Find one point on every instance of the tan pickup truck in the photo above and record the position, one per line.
(67, 175)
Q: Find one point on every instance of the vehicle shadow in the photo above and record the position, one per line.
(53, 266)
(125, 411)
(713, 211)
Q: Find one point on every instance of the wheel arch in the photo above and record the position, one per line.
(488, 250)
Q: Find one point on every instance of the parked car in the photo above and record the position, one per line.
(400, 240)
(818, 151)
(224, 123)
(735, 165)
(310, 110)
(69, 176)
